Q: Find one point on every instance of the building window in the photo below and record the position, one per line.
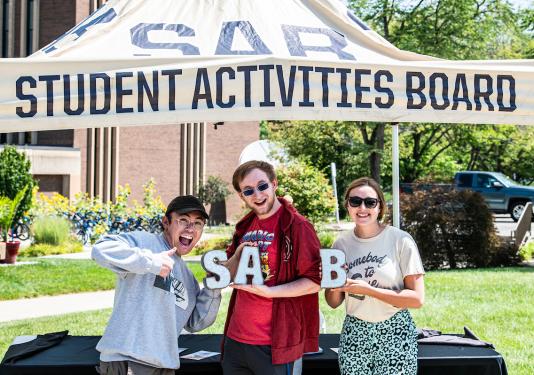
(30, 29)
(5, 27)
(96, 4)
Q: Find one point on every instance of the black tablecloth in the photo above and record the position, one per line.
(77, 355)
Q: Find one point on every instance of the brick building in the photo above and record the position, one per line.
(179, 157)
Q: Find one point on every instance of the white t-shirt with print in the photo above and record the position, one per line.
(383, 261)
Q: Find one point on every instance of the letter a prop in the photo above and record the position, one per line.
(249, 254)
(332, 262)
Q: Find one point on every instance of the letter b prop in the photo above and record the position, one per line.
(332, 262)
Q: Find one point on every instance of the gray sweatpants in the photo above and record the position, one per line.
(130, 368)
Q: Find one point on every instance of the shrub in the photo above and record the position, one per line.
(37, 250)
(453, 229)
(14, 176)
(326, 238)
(311, 192)
(213, 190)
(51, 230)
(216, 243)
(527, 251)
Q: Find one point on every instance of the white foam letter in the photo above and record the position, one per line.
(338, 257)
(210, 263)
(243, 270)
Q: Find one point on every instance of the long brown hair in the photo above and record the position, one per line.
(368, 181)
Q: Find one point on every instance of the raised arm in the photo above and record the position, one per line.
(121, 255)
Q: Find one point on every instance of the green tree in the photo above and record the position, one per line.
(500, 148)
(310, 191)
(214, 190)
(14, 176)
(452, 29)
(321, 143)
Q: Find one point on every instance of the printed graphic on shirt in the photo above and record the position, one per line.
(364, 268)
(178, 289)
(263, 240)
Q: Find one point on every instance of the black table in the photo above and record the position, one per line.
(77, 355)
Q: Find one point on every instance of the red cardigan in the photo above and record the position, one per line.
(295, 320)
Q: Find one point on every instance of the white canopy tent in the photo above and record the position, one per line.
(155, 62)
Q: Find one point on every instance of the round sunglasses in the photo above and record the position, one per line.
(250, 190)
(368, 202)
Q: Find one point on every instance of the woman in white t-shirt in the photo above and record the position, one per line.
(385, 278)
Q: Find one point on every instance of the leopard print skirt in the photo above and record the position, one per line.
(383, 348)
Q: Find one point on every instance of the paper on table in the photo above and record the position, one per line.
(317, 352)
(335, 349)
(197, 356)
(23, 339)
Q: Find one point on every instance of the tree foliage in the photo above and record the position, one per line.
(451, 29)
(321, 143)
(213, 190)
(14, 176)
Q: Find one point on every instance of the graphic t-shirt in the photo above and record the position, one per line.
(251, 320)
(383, 261)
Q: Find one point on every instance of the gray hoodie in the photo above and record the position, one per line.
(149, 312)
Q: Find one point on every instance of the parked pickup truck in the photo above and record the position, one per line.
(502, 194)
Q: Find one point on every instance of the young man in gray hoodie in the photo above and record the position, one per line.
(156, 295)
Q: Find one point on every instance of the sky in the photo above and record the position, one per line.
(522, 3)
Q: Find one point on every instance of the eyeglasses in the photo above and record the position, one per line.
(249, 191)
(196, 225)
(357, 202)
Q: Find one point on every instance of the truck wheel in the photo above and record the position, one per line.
(516, 209)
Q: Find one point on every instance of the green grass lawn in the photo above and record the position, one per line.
(48, 277)
(496, 304)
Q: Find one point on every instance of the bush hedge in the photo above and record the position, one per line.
(37, 250)
(454, 229)
(50, 230)
(527, 251)
(216, 243)
(311, 192)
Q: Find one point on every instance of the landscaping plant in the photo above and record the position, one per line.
(14, 177)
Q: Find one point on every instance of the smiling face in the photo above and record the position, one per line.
(183, 230)
(263, 203)
(363, 215)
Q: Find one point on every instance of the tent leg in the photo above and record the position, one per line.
(395, 170)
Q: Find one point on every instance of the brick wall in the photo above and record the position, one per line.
(151, 151)
(224, 146)
(56, 17)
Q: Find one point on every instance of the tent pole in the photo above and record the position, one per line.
(395, 170)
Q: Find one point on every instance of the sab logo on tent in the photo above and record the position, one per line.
(140, 37)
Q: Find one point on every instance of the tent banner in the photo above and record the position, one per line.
(41, 95)
(159, 62)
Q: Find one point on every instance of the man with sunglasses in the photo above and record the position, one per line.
(156, 295)
(270, 326)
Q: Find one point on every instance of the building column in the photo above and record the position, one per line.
(102, 163)
(192, 157)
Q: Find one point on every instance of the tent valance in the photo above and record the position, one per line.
(139, 62)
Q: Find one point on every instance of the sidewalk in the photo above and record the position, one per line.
(28, 308)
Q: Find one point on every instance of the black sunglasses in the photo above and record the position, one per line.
(357, 202)
(249, 191)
